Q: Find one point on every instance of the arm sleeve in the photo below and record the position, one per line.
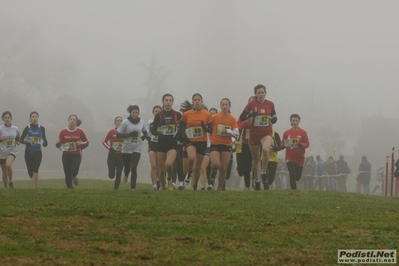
(277, 139)
(305, 140)
(154, 126)
(23, 136)
(61, 138)
(244, 116)
(106, 140)
(84, 142)
(44, 137)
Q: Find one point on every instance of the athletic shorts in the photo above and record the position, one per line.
(3, 161)
(208, 151)
(200, 146)
(220, 148)
(153, 146)
(167, 146)
(254, 139)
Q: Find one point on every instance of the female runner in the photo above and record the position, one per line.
(114, 146)
(32, 137)
(263, 115)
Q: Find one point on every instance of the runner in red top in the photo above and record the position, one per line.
(262, 115)
(71, 141)
(295, 141)
(114, 146)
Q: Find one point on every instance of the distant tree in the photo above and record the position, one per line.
(155, 85)
(63, 107)
(28, 70)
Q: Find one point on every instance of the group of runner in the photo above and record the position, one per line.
(179, 144)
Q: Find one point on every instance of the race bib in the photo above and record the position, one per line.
(154, 138)
(8, 144)
(168, 129)
(132, 139)
(261, 121)
(117, 146)
(293, 143)
(69, 146)
(194, 132)
(33, 140)
(222, 130)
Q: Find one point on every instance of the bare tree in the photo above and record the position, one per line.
(26, 68)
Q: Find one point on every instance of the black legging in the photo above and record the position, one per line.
(295, 173)
(270, 173)
(71, 164)
(126, 157)
(178, 165)
(135, 158)
(246, 164)
(115, 166)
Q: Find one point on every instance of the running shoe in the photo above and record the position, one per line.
(195, 187)
(181, 186)
(257, 185)
(171, 186)
(11, 185)
(155, 187)
(187, 179)
(158, 184)
(210, 187)
(75, 180)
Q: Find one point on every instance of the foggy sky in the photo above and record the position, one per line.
(313, 56)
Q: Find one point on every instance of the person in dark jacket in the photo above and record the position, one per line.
(364, 175)
(343, 171)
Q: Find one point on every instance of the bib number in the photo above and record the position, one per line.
(194, 132)
(117, 146)
(293, 143)
(222, 130)
(69, 146)
(168, 129)
(8, 144)
(261, 121)
(132, 139)
(33, 140)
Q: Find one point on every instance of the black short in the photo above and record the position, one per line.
(153, 146)
(3, 161)
(200, 146)
(167, 146)
(220, 148)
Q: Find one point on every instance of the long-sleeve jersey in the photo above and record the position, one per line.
(132, 143)
(260, 124)
(295, 152)
(112, 141)
(33, 134)
(69, 138)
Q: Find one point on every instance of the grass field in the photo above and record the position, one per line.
(96, 225)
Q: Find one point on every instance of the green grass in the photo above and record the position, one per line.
(96, 225)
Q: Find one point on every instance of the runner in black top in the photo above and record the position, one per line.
(32, 137)
(165, 126)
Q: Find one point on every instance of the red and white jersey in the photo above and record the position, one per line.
(261, 124)
(111, 141)
(69, 138)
